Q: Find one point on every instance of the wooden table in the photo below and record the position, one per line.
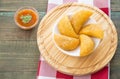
(19, 53)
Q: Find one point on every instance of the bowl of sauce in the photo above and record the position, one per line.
(26, 17)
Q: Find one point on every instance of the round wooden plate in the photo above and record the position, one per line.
(70, 64)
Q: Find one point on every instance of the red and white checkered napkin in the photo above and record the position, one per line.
(47, 72)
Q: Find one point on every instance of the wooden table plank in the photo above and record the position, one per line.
(13, 5)
(18, 75)
(7, 19)
(18, 56)
(115, 64)
(18, 34)
(115, 5)
(23, 48)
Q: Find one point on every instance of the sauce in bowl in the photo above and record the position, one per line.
(26, 18)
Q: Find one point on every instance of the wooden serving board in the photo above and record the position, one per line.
(76, 65)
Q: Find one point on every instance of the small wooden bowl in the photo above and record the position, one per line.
(76, 65)
(28, 27)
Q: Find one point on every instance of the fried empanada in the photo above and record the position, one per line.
(86, 45)
(65, 27)
(93, 30)
(65, 42)
(79, 19)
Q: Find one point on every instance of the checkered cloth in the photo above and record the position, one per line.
(47, 72)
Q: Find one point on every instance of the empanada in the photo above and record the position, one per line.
(79, 19)
(65, 42)
(93, 30)
(86, 45)
(65, 27)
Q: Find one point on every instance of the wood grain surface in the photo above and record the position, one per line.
(13, 53)
(76, 65)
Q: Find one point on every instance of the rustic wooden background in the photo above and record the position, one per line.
(19, 53)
